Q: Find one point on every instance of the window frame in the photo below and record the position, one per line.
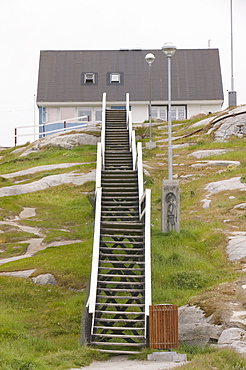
(111, 82)
(89, 78)
(114, 78)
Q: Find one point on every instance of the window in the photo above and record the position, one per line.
(89, 78)
(114, 78)
(98, 114)
(85, 114)
(44, 115)
(161, 112)
(178, 113)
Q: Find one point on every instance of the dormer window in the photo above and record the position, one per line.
(114, 78)
(89, 78)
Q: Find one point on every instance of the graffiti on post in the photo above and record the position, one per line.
(172, 215)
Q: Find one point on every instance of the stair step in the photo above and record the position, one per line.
(120, 320)
(118, 344)
(119, 328)
(118, 242)
(121, 236)
(128, 305)
(119, 297)
(120, 312)
(140, 254)
(125, 201)
(124, 197)
(111, 230)
(117, 212)
(119, 218)
(114, 276)
(131, 257)
(118, 208)
(118, 336)
(138, 283)
(118, 352)
(103, 246)
(120, 290)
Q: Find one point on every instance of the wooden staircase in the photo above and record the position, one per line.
(116, 320)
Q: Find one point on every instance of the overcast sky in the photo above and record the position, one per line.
(28, 26)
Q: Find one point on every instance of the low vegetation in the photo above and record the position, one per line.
(40, 325)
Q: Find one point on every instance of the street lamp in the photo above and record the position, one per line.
(232, 94)
(170, 198)
(150, 59)
(169, 49)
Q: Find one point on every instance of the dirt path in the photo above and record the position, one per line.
(121, 363)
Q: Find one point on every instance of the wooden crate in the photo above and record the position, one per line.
(163, 326)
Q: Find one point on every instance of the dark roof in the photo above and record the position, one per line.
(196, 75)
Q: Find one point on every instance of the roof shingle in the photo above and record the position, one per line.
(196, 75)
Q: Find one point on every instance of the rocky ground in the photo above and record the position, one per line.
(225, 327)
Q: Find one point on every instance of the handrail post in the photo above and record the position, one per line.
(15, 136)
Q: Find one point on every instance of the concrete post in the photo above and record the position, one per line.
(170, 206)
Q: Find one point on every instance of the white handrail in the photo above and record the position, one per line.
(130, 129)
(103, 128)
(127, 106)
(140, 169)
(134, 151)
(148, 295)
(54, 122)
(95, 256)
(99, 165)
(38, 133)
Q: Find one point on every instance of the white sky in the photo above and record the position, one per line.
(28, 26)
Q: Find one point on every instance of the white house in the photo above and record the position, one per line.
(71, 83)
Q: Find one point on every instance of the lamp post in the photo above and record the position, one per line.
(169, 49)
(170, 199)
(232, 94)
(150, 59)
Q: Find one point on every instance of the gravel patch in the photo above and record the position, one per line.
(121, 363)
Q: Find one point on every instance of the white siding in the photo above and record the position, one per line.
(52, 115)
(68, 112)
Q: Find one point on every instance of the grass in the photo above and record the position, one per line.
(45, 333)
(223, 359)
(40, 325)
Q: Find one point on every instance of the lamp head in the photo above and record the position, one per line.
(169, 49)
(149, 58)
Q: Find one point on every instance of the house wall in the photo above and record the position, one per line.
(194, 109)
(139, 110)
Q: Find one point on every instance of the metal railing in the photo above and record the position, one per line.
(39, 131)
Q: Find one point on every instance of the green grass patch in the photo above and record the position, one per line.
(40, 327)
(223, 359)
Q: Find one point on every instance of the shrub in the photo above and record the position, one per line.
(187, 280)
